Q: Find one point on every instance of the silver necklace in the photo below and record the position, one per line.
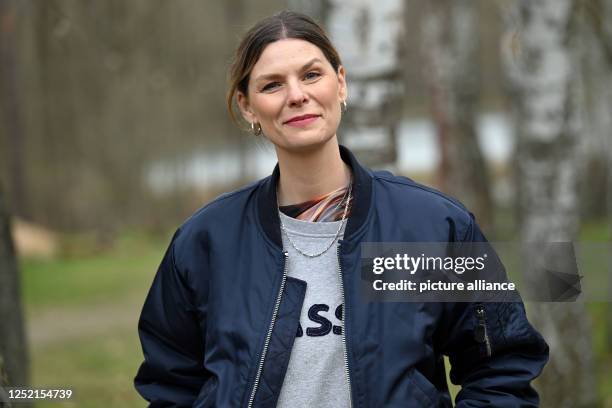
(314, 255)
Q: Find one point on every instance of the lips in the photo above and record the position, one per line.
(301, 118)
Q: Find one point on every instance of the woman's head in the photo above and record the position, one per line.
(286, 68)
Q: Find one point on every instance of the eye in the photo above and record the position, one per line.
(270, 86)
(312, 75)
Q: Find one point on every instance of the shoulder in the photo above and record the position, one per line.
(227, 204)
(217, 216)
(409, 188)
(418, 202)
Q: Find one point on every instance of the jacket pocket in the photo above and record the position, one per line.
(426, 393)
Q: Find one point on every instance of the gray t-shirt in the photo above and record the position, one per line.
(316, 376)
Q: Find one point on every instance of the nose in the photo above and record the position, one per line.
(296, 95)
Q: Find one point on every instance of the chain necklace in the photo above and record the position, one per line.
(314, 255)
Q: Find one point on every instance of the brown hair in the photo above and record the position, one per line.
(286, 24)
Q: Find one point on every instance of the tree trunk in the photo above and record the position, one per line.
(234, 15)
(451, 51)
(373, 63)
(4, 400)
(541, 60)
(13, 355)
(599, 19)
(13, 350)
(11, 107)
(596, 40)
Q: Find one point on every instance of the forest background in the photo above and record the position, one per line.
(113, 130)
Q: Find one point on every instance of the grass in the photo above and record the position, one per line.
(600, 231)
(70, 282)
(98, 369)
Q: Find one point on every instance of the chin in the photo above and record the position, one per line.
(303, 142)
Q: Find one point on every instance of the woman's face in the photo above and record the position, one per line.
(295, 95)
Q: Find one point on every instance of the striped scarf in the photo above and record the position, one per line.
(325, 208)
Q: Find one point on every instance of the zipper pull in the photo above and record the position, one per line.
(480, 333)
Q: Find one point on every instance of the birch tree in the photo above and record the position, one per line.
(451, 53)
(540, 57)
(372, 58)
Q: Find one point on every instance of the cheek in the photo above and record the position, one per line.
(268, 107)
(329, 95)
(336, 116)
(332, 102)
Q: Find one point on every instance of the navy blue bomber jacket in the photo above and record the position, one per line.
(220, 319)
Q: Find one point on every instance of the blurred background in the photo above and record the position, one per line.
(113, 130)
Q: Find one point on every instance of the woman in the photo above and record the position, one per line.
(257, 300)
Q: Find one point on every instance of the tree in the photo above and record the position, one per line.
(451, 53)
(13, 349)
(373, 63)
(598, 77)
(596, 40)
(11, 108)
(4, 401)
(541, 61)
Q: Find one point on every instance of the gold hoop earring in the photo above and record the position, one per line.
(256, 130)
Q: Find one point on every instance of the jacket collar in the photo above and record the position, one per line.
(362, 193)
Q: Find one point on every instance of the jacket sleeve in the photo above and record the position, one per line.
(170, 331)
(494, 351)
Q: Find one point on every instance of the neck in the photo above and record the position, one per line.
(305, 175)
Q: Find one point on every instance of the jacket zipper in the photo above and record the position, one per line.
(482, 322)
(344, 315)
(269, 335)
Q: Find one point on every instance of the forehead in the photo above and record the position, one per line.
(285, 55)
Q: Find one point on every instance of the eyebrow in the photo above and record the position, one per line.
(274, 76)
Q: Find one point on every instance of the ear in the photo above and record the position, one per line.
(245, 108)
(342, 87)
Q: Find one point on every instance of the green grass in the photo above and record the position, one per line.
(66, 282)
(596, 230)
(98, 369)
